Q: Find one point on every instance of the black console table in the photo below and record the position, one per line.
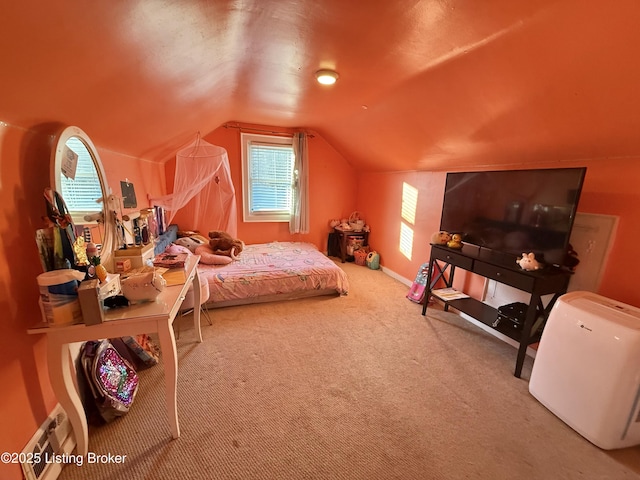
(488, 264)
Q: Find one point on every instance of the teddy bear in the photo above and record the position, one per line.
(224, 244)
(440, 238)
(528, 262)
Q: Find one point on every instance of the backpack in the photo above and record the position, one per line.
(417, 291)
(111, 380)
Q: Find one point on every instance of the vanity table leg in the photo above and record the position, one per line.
(197, 308)
(170, 362)
(61, 376)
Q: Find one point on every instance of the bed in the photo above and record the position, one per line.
(271, 272)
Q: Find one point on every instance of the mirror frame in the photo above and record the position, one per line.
(57, 157)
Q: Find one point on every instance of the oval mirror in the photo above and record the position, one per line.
(78, 176)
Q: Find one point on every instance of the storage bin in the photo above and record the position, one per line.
(360, 257)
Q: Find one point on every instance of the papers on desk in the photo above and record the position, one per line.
(448, 294)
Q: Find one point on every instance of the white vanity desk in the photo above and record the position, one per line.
(148, 317)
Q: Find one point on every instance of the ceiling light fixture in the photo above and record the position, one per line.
(326, 77)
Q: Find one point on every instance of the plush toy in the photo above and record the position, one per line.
(455, 242)
(207, 256)
(224, 244)
(528, 262)
(440, 238)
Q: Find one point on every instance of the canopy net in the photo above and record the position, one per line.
(203, 195)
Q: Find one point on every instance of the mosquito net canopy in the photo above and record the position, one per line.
(203, 192)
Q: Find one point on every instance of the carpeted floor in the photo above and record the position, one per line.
(356, 387)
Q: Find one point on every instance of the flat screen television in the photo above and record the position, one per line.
(510, 212)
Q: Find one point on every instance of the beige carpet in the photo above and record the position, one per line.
(358, 387)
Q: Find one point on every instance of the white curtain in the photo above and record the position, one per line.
(204, 175)
(299, 220)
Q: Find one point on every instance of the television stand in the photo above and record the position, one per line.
(547, 281)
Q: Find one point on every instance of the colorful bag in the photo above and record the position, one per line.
(111, 379)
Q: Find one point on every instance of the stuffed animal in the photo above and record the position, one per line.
(440, 238)
(455, 242)
(224, 244)
(528, 262)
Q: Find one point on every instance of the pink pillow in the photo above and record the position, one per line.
(174, 249)
(209, 258)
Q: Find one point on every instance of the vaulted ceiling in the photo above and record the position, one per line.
(430, 84)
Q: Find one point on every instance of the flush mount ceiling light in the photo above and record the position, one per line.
(326, 77)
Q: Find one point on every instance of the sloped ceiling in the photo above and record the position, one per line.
(426, 85)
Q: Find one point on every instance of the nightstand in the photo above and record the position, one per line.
(343, 240)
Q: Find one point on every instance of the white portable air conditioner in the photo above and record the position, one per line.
(587, 368)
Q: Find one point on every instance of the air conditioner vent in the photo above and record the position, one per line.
(53, 437)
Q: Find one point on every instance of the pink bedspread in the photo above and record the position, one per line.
(278, 268)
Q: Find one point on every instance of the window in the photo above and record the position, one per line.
(81, 193)
(267, 171)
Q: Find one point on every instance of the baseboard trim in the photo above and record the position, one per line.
(396, 276)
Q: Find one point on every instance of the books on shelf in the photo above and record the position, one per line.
(448, 294)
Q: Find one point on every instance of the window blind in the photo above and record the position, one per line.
(81, 193)
(270, 176)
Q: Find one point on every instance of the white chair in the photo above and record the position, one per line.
(188, 306)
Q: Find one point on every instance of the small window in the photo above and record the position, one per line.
(267, 171)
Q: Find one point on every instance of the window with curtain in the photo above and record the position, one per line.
(267, 177)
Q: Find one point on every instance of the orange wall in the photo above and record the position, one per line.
(27, 397)
(336, 189)
(610, 188)
(332, 186)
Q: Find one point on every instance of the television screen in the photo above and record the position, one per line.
(514, 211)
